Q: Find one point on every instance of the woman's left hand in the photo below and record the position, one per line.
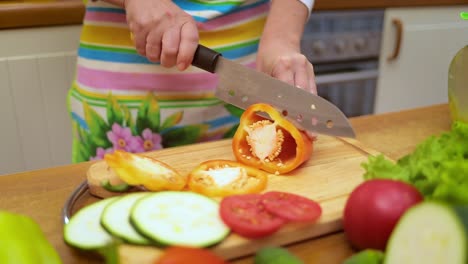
(279, 52)
(285, 62)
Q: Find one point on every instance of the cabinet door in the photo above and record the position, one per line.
(11, 155)
(35, 75)
(418, 76)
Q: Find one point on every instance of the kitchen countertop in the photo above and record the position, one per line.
(69, 12)
(41, 194)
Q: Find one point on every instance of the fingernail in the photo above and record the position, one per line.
(181, 66)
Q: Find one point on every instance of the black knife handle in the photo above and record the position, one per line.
(205, 58)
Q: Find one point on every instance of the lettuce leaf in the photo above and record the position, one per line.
(438, 167)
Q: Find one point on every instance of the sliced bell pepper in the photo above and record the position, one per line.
(137, 169)
(23, 241)
(219, 178)
(274, 145)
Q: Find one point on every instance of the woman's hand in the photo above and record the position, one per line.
(285, 62)
(279, 52)
(162, 32)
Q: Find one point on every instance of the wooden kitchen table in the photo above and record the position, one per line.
(41, 194)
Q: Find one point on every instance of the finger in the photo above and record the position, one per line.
(170, 46)
(312, 135)
(311, 75)
(154, 45)
(139, 41)
(283, 71)
(259, 66)
(301, 75)
(138, 35)
(188, 45)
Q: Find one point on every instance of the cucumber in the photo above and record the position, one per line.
(179, 218)
(116, 219)
(429, 233)
(275, 255)
(84, 230)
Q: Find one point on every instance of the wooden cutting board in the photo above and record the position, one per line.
(333, 171)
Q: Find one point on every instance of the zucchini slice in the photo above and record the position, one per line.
(179, 218)
(116, 219)
(429, 233)
(84, 230)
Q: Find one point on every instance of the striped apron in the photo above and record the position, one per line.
(120, 100)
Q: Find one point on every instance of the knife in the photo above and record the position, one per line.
(241, 86)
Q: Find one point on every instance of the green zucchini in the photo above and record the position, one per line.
(115, 188)
(84, 230)
(179, 218)
(116, 219)
(367, 256)
(429, 233)
(275, 255)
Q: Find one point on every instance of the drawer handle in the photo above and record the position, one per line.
(399, 32)
(346, 77)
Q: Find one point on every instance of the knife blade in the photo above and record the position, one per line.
(241, 86)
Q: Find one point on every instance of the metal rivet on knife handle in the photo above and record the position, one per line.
(205, 58)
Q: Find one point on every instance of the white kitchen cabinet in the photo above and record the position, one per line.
(36, 70)
(418, 76)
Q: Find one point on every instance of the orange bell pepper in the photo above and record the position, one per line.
(219, 178)
(137, 169)
(274, 145)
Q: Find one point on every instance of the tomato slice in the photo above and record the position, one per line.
(247, 217)
(184, 255)
(291, 207)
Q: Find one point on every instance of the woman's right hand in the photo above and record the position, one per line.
(162, 32)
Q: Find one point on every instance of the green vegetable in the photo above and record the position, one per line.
(115, 188)
(116, 215)
(179, 218)
(430, 233)
(438, 167)
(275, 255)
(110, 253)
(84, 230)
(22, 241)
(368, 256)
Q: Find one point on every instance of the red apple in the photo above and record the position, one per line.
(373, 209)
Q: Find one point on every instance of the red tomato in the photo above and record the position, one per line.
(291, 207)
(373, 209)
(246, 216)
(184, 255)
